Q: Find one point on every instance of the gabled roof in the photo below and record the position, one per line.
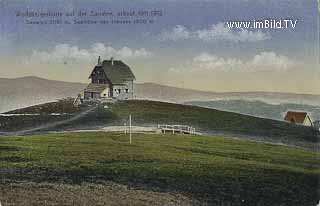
(116, 71)
(96, 88)
(296, 117)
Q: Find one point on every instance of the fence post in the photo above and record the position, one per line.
(130, 127)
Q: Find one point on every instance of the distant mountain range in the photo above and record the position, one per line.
(259, 108)
(174, 94)
(27, 91)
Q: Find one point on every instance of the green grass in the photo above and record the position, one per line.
(17, 123)
(211, 120)
(61, 106)
(219, 169)
(144, 112)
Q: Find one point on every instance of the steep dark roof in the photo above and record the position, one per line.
(118, 72)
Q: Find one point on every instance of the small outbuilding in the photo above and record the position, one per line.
(301, 118)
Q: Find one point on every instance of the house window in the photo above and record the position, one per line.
(127, 90)
(118, 91)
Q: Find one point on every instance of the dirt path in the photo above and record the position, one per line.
(123, 129)
(54, 124)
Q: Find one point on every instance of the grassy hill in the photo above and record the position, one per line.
(208, 121)
(212, 170)
(39, 115)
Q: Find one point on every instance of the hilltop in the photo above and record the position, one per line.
(152, 113)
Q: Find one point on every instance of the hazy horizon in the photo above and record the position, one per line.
(165, 85)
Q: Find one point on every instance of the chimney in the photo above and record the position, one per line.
(99, 60)
(111, 61)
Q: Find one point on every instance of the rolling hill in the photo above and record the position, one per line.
(219, 168)
(28, 91)
(152, 113)
(175, 94)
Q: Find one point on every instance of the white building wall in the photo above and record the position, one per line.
(123, 92)
(307, 122)
(105, 93)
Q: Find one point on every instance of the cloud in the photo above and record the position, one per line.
(217, 32)
(221, 32)
(270, 61)
(62, 53)
(264, 61)
(177, 33)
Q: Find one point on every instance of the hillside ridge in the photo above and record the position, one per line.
(152, 113)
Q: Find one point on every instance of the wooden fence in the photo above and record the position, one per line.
(177, 129)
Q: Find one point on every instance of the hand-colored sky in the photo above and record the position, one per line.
(189, 46)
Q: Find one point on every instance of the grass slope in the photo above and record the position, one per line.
(211, 120)
(64, 107)
(220, 170)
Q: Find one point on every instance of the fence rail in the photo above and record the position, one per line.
(182, 129)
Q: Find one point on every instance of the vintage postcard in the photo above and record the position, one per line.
(159, 102)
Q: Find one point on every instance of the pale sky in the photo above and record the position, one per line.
(188, 46)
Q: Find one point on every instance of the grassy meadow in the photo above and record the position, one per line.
(212, 170)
